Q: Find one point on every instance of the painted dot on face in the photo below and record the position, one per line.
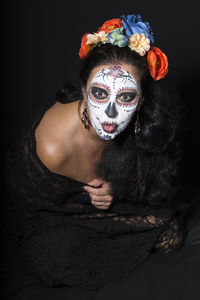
(112, 101)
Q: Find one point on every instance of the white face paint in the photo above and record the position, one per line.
(112, 101)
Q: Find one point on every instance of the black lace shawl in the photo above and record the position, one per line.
(63, 239)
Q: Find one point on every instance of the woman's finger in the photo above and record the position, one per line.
(96, 191)
(97, 182)
(103, 199)
(101, 206)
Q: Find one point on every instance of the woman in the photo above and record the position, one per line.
(91, 186)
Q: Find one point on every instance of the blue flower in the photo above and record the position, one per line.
(117, 37)
(133, 24)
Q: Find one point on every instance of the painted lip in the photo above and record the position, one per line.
(109, 127)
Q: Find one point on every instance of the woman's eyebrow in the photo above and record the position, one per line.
(101, 86)
(126, 90)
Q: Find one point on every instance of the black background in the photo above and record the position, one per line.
(41, 41)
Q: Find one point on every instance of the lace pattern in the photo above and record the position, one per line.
(64, 239)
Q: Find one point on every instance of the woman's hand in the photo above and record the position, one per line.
(100, 193)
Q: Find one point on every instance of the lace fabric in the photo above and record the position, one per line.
(63, 239)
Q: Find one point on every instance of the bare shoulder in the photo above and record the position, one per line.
(54, 143)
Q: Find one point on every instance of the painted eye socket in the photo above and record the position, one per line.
(99, 93)
(127, 97)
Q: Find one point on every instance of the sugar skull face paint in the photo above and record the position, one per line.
(112, 100)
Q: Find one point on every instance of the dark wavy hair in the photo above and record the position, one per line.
(143, 170)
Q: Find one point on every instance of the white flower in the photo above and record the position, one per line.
(103, 37)
(96, 38)
(139, 43)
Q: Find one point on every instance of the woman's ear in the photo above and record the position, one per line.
(84, 93)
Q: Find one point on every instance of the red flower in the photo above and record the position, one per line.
(110, 25)
(158, 63)
(85, 49)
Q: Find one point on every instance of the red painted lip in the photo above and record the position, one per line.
(109, 127)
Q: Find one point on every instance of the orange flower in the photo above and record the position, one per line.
(85, 48)
(158, 63)
(110, 25)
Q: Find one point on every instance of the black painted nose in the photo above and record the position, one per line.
(111, 111)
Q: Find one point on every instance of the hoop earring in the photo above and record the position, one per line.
(85, 116)
(137, 127)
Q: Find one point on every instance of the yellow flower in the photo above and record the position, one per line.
(96, 38)
(139, 43)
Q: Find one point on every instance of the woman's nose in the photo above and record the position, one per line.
(111, 111)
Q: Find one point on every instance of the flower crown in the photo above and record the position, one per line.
(128, 31)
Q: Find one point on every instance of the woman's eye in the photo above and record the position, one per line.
(127, 97)
(99, 93)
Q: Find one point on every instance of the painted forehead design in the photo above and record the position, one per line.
(115, 73)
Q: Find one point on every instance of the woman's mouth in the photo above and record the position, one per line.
(109, 127)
